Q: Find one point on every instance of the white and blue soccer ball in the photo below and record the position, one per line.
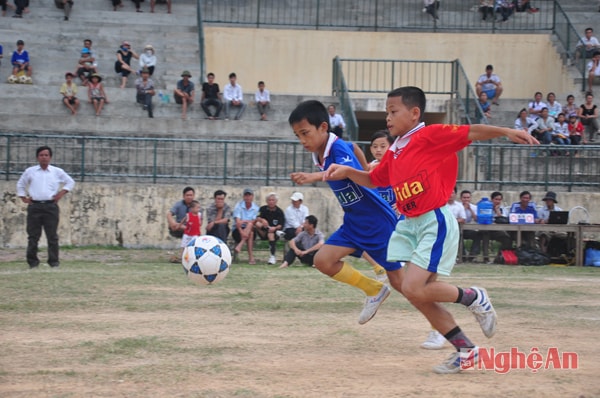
(206, 260)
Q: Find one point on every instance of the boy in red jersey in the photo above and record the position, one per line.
(192, 222)
(422, 167)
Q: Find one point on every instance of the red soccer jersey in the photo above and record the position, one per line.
(192, 228)
(422, 167)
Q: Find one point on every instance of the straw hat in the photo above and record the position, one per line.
(149, 47)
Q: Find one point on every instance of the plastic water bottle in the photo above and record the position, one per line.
(485, 211)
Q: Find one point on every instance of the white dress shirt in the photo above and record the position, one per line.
(231, 93)
(294, 216)
(40, 184)
(336, 120)
(262, 97)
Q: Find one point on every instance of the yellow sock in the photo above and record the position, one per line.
(378, 269)
(355, 278)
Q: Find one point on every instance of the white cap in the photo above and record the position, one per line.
(297, 196)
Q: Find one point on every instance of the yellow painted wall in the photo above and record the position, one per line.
(300, 61)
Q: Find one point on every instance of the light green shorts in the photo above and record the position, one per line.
(429, 241)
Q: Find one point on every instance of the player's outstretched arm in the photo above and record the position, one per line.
(302, 178)
(482, 132)
(338, 172)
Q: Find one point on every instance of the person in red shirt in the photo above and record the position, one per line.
(422, 167)
(192, 222)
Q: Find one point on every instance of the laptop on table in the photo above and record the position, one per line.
(558, 217)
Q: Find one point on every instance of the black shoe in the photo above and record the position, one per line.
(55, 265)
(32, 266)
(150, 114)
(66, 18)
(17, 16)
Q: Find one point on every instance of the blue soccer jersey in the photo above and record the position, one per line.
(368, 220)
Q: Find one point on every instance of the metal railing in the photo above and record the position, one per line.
(201, 47)
(375, 15)
(568, 37)
(441, 79)
(489, 166)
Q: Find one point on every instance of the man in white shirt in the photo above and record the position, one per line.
(263, 99)
(41, 187)
(490, 84)
(295, 214)
(233, 96)
(587, 45)
(336, 122)
(470, 217)
(535, 107)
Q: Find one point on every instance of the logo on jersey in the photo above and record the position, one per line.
(345, 159)
(410, 188)
(348, 195)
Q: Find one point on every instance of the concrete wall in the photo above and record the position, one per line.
(299, 61)
(135, 215)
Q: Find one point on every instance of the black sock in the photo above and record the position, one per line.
(272, 247)
(466, 296)
(457, 338)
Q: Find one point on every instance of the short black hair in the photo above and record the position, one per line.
(43, 148)
(312, 220)
(187, 189)
(90, 40)
(382, 134)
(219, 192)
(524, 193)
(261, 82)
(313, 111)
(464, 191)
(19, 42)
(210, 74)
(232, 74)
(411, 97)
(496, 194)
(489, 67)
(521, 111)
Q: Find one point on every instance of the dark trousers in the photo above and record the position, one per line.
(42, 215)
(338, 130)
(220, 231)
(476, 238)
(211, 102)
(307, 259)
(290, 233)
(21, 5)
(146, 100)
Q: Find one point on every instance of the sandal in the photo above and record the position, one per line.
(252, 262)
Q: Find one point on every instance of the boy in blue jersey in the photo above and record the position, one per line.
(368, 219)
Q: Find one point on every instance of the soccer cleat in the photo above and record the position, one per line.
(435, 341)
(281, 234)
(272, 260)
(467, 358)
(372, 304)
(484, 312)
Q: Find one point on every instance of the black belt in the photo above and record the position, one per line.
(42, 202)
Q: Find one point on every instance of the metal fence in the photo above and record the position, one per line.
(488, 166)
(375, 15)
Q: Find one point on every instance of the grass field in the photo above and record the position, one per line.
(126, 323)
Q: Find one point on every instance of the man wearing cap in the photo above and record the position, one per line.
(145, 91)
(41, 187)
(69, 93)
(295, 214)
(184, 93)
(148, 59)
(550, 205)
(490, 84)
(244, 217)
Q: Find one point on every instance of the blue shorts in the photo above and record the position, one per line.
(490, 93)
(429, 241)
(376, 248)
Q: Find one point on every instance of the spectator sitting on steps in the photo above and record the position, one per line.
(185, 92)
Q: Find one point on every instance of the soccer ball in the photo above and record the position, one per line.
(28, 80)
(23, 79)
(12, 79)
(206, 260)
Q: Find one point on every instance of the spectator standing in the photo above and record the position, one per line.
(66, 6)
(233, 96)
(269, 221)
(96, 94)
(185, 92)
(295, 215)
(123, 62)
(263, 100)
(588, 114)
(336, 122)
(305, 245)
(244, 217)
(145, 91)
(177, 213)
(69, 93)
(211, 96)
(536, 106)
(41, 187)
(20, 60)
(218, 215)
(490, 84)
(586, 46)
(148, 59)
